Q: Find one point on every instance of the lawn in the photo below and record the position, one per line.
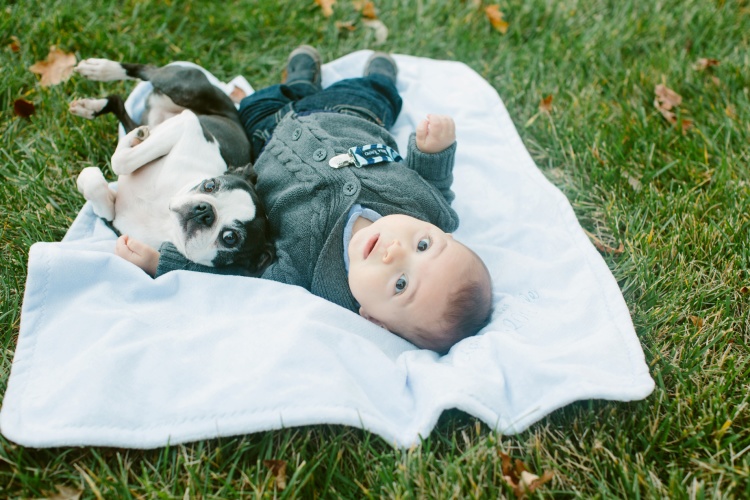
(674, 195)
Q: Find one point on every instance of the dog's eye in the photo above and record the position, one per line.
(208, 186)
(229, 238)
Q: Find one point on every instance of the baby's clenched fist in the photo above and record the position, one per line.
(436, 133)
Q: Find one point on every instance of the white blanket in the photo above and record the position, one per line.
(108, 356)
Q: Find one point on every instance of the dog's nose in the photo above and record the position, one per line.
(204, 213)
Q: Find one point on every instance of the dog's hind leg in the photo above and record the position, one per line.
(94, 188)
(91, 108)
(190, 88)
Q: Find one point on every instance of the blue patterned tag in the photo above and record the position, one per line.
(371, 154)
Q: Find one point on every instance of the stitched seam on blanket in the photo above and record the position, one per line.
(276, 410)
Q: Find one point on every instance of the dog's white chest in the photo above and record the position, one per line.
(144, 191)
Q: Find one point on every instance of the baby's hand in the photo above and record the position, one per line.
(436, 133)
(138, 253)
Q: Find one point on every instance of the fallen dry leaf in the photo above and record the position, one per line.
(665, 101)
(23, 108)
(15, 43)
(496, 18)
(519, 478)
(380, 29)
(278, 469)
(545, 106)
(66, 493)
(744, 290)
(696, 321)
(56, 68)
(703, 64)
(603, 247)
(326, 6)
(666, 98)
(368, 11)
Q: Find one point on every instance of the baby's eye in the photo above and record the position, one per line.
(208, 185)
(424, 244)
(401, 284)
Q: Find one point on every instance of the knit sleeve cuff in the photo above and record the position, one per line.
(431, 166)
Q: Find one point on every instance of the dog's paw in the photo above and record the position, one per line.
(101, 70)
(139, 135)
(87, 108)
(94, 188)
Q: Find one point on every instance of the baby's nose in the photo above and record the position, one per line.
(393, 251)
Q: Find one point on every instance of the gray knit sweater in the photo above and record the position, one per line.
(307, 201)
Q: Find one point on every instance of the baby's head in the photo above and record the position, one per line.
(415, 280)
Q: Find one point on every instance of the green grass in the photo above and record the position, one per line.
(678, 203)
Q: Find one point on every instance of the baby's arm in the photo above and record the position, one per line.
(432, 149)
(436, 133)
(138, 253)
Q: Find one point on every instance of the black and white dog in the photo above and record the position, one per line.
(184, 175)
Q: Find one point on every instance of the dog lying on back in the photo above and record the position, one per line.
(184, 175)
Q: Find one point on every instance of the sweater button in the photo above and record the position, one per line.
(320, 154)
(296, 134)
(349, 188)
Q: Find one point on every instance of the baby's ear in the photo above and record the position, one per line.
(369, 318)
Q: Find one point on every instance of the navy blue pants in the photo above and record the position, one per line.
(373, 98)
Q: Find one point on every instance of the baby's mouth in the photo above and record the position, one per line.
(371, 245)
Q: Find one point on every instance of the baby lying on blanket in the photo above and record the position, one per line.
(351, 227)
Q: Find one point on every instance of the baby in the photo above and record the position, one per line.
(352, 221)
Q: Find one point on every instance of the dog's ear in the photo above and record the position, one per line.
(266, 257)
(247, 172)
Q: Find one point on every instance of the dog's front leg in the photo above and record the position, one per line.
(143, 145)
(94, 188)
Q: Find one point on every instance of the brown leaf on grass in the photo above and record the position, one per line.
(56, 68)
(278, 469)
(380, 29)
(66, 493)
(665, 101)
(603, 247)
(496, 18)
(343, 26)
(519, 478)
(703, 64)
(696, 321)
(368, 11)
(545, 105)
(15, 43)
(744, 290)
(666, 98)
(23, 108)
(237, 95)
(326, 6)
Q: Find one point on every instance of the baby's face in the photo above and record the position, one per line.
(402, 272)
